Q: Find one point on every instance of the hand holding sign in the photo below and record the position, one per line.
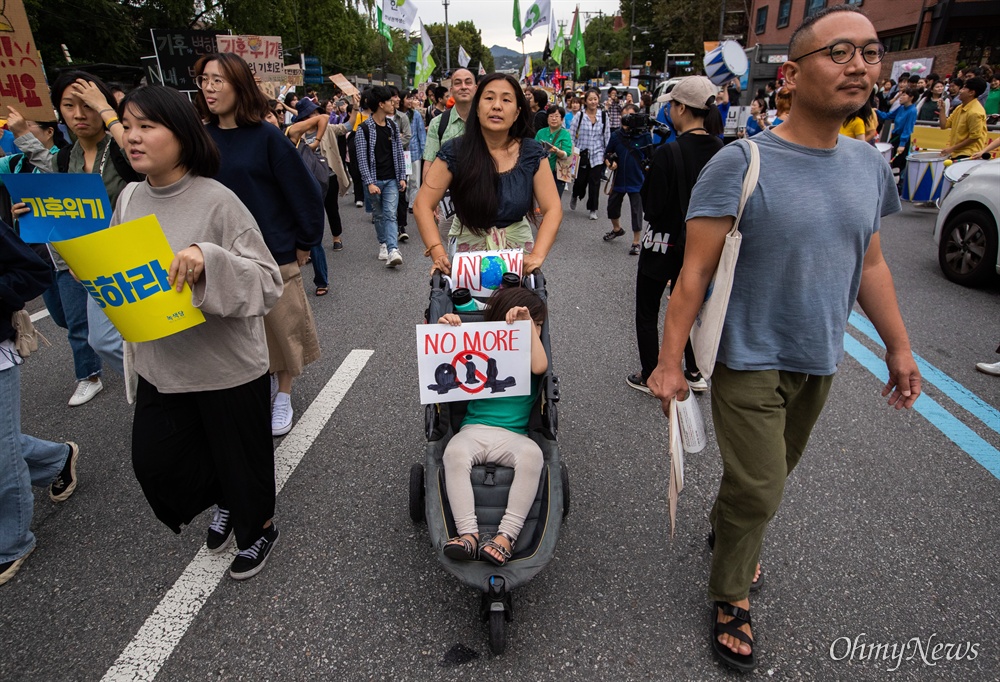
(15, 122)
(186, 268)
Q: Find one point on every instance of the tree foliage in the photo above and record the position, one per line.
(340, 32)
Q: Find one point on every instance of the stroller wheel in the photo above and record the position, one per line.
(417, 493)
(564, 475)
(498, 632)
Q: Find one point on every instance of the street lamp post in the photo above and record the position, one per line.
(631, 32)
(447, 44)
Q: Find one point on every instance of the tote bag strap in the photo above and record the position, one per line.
(749, 182)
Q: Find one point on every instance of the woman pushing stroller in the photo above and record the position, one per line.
(495, 431)
(496, 172)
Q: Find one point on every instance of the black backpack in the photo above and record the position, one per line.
(125, 171)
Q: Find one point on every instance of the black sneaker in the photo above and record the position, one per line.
(9, 568)
(696, 382)
(636, 382)
(250, 561)
(65, 482)
(220, 531)
(403, 237)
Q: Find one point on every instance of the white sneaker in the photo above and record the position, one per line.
(572, 204)
(383, 252)
(281, 415)
(696, 384)
(85, 392)
(359, 204)
(991, 368)
(395, 258)
(593, 215)
(274, 387)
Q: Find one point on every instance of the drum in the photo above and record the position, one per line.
(924, 177)
(954, 173)
(885, 149)
(726, 62)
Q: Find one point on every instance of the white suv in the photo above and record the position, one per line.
(966, 228)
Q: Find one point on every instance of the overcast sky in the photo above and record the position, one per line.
(495, 18)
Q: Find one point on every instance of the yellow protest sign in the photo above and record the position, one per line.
(124, 268)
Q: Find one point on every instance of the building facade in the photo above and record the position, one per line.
(902, 25)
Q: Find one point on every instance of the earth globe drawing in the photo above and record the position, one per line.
(491, 272)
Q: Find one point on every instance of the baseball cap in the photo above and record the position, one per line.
(694, 91)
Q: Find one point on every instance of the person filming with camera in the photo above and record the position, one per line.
(626, 156)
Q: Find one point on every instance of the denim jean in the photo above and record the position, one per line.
(320, 271)
(104, 337)
(24, 461)
(384, 206)
(66, 301)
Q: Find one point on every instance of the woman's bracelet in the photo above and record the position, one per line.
(105, 109)
(430, 248)
(111, 121)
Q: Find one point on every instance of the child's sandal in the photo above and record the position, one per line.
(462, 548)
(505, 554)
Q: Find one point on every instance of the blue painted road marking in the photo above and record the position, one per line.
(957, 432)
(965, 398)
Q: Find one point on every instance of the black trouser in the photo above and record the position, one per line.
(191, 451)
(401, 207)
(648, 295)
(355, 172)
(330, 203)
(588, 182)
(634, 204)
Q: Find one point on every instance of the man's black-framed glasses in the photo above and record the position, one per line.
(843, 52)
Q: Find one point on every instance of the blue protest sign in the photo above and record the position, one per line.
(63, 205)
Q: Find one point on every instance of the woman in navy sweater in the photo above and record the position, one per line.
(262, 168)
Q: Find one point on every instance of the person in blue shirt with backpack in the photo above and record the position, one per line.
(626, 155)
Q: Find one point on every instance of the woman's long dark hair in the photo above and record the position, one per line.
(864, 113)
(167, 107)
(251, 105)
(67, 78)
(476, 179)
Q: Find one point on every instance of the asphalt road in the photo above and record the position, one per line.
(886, 534)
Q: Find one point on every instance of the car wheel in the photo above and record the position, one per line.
(968, 249)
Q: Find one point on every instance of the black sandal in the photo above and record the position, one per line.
(461, 548)
(505, 554)
(741, 617)
(614, 234)
(757, 583)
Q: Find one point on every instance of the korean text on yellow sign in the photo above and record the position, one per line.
(124, 268)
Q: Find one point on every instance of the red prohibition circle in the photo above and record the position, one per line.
(460, 360)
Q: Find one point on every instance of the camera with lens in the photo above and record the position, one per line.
(637, 123)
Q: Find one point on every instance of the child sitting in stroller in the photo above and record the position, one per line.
(495, 430)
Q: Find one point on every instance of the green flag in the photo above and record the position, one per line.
(383, 28)
(517, 19)
(576, 45)
(557, 49)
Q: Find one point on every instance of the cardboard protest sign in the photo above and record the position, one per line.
(481, 272)
(22, 82)
(345, 85)
(176, 53)
(124, 268)
(473, 361)
(262, 53)
(63, 205)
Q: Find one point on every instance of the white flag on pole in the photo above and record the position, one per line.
(399, 15)
(463, 57)
(538, 14)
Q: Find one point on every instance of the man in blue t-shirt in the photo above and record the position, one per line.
(810, 248)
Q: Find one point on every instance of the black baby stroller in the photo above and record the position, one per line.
(491, 484)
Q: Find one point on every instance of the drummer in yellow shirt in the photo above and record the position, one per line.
(967, 122)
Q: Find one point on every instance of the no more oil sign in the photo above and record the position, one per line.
(474, 361)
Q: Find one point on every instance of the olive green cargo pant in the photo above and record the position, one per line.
(762, 423)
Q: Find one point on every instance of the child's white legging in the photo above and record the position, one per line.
(480, 444)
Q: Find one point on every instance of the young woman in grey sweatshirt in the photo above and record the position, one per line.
(201, 434)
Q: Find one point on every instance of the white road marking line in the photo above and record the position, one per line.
(44, 312)
(145, 655)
